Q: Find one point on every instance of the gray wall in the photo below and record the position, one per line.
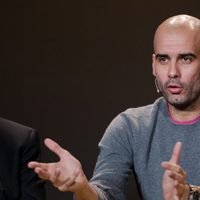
(68, 67)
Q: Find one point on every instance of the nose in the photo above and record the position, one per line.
(173, 70)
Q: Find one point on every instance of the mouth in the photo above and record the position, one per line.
(174, 89)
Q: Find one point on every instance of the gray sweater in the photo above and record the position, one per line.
(137, 141)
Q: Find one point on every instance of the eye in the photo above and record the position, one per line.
(187, 59)
(163, 59)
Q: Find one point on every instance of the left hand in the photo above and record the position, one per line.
(174, 178)
(66, 174)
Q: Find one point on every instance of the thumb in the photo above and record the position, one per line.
(54, 147)
(176, 153)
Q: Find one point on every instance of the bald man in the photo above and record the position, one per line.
(159, 143)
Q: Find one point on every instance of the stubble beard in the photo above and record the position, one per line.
(189, 97)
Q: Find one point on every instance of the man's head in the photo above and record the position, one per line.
(176, 60)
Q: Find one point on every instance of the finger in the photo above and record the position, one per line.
(72, 179)
(69, 182)
(34, 164)
(54, 147)
(180, 189)
(55, 178)
(43, 174)
(167, 165)
(178, 177)
(176, 153)
(65, 187)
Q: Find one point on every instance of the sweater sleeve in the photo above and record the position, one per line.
(115, 161)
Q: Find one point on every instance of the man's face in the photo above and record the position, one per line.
(176, 66)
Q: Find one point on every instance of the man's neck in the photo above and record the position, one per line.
(187, 114)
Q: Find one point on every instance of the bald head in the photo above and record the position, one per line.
(181, 23)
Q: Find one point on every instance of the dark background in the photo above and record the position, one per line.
(67, 68)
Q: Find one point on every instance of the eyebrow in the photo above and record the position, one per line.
(181, 55)
(161, 56)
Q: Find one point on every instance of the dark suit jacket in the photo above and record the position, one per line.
(18, 145)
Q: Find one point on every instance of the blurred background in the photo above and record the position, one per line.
(67, 68)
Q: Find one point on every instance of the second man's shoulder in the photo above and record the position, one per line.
(11, 130)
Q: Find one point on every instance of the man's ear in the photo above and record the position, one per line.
(153, 64)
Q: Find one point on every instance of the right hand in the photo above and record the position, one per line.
(66, 174)
(174, 178)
